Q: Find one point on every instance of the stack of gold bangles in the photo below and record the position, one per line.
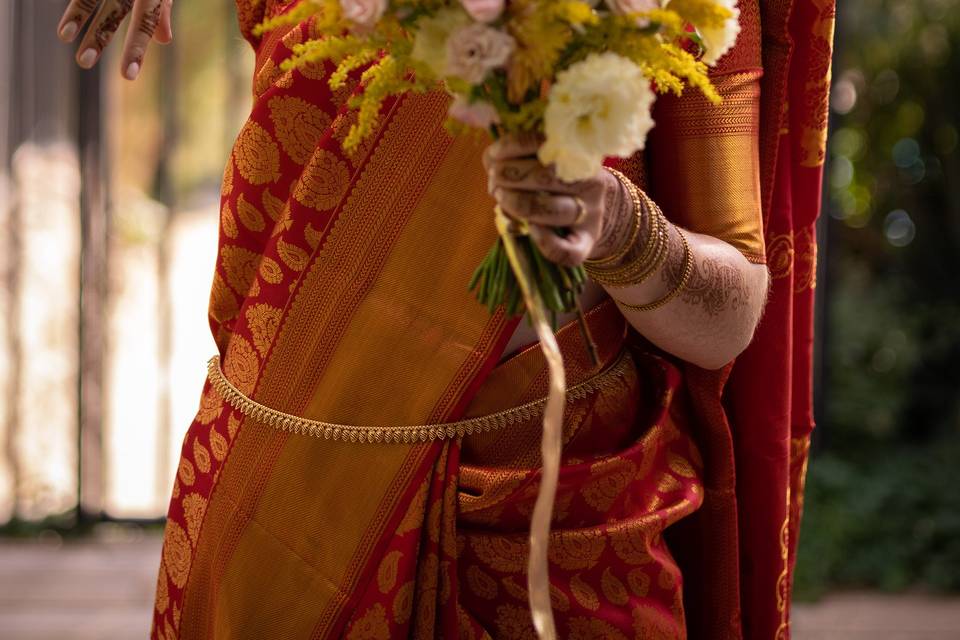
(613, 272)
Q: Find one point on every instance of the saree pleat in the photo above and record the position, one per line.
(629, 471)
(455, 567)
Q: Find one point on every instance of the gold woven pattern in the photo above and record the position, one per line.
(405, 434)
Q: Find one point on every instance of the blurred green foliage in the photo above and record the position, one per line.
(883, 502)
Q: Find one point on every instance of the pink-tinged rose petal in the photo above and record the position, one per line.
(483, 10)
(623, 7)
(475, 50)
(478, 114)
(363, 13)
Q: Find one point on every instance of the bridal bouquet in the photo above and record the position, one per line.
(580, 74)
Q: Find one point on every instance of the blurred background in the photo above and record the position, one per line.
(116, 186)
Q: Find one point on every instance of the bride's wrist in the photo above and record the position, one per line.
(643, 247)
(620, 220)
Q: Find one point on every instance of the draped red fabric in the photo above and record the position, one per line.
(738, 551)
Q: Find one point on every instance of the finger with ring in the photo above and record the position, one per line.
(581, 210)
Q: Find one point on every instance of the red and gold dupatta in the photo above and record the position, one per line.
(754, 417)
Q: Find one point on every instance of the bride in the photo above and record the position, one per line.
(365, 456)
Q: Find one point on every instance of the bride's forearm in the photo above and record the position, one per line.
(700, 300)
(712, 318)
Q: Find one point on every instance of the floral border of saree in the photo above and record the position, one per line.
(316, 280)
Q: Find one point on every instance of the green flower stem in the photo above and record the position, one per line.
(495, 284)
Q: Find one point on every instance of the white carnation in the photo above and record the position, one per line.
(718, 41)
(598, 107)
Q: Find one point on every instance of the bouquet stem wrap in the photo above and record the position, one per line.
(538, 581)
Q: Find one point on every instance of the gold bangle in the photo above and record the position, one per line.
(634, 194)
(687, 272)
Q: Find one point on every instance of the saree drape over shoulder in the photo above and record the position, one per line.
(340, 299)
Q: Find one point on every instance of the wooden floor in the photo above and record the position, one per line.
(104, 591)
(81, 591)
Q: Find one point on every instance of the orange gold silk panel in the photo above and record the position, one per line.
(694, 141)
(704, 159)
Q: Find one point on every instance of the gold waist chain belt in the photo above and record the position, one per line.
(405, 433)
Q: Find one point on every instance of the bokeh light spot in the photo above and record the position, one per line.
(841, 172)
(885, 87)
(905, 152)
(899, 228)
(843, 96)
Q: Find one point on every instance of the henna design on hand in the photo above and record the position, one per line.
(513, 173)
(713, 284)
(542, 204)
(622, 227)
(148, 25)
(537, 173)
(616, 223)
(111, 22)
(88, 6)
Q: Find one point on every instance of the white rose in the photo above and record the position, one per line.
(474, 50)
(719, 40)
(598, 107)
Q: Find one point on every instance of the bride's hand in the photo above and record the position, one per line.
(151, 20)
(524, 188)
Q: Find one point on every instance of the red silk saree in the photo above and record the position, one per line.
(680, 488)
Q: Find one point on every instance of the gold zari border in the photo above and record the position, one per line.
(405, 434)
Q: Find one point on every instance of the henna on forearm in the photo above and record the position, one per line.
(713, 284)
(672, 269)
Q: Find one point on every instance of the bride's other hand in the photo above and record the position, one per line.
(150, 20)
(526, 189)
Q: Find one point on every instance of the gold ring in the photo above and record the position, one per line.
(581, 211)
